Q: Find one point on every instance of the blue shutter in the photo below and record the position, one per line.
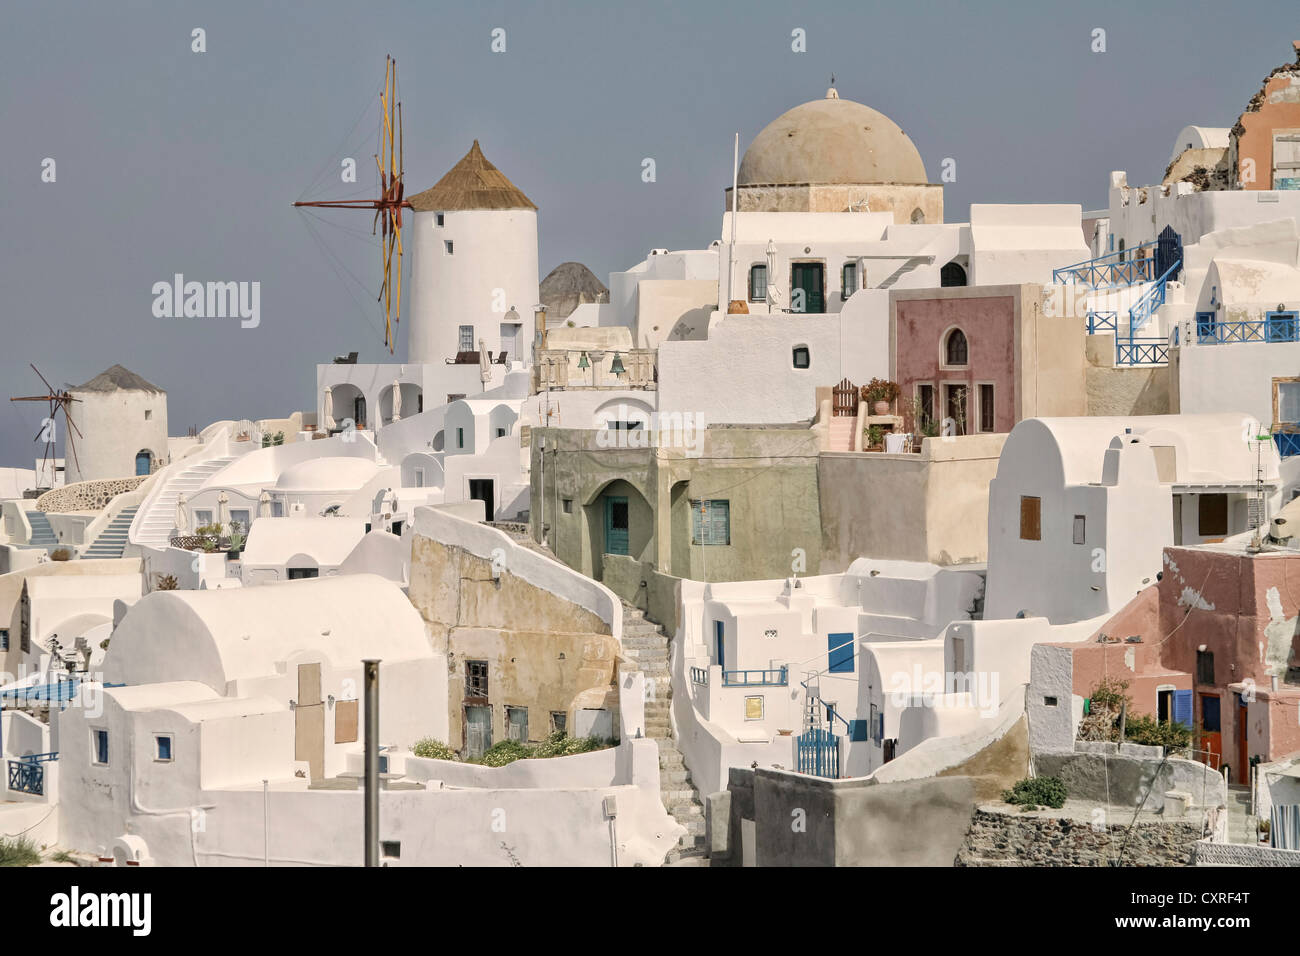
(840, 661)
(1183, 708)
(857, 730)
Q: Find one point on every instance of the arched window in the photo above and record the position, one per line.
(918, 216)
(952, 275)
(955, 352)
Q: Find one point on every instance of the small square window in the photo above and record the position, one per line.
(148, 414)
(448, 246)
(163, 748)
(501, 433)
(568, 507)
(392, 849)
(1049, 701)
(802, 357)
(559, 721)
(437, 218)
(711, 522)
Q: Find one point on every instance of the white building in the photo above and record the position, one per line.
(1082, 508)
(122, 427)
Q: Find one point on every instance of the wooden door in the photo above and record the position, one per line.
(478, 729)
(1243, 750)
(309, 721)
(1212, 737)
(807, 285)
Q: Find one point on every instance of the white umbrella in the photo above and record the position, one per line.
(397, 400)
(773, 297)
(182, 515)
(223, 511)
(264, 505)
(484, 363)
(328, 417)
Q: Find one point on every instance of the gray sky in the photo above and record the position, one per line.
(173, 161)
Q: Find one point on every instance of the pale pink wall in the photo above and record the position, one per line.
(921, 327)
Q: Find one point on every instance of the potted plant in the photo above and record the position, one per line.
(875, 437)
(880, 393)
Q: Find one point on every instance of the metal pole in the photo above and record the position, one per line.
(371, 668)
(266, 828)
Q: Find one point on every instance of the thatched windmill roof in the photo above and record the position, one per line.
(473, 183)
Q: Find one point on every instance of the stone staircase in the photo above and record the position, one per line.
(646, 644)
(155, 525)
(112, 540)
(1241, 825)
(841, 434)
(42, 533)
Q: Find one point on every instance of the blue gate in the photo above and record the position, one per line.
(818, 753)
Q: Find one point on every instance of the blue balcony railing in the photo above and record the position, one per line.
(755, 678)
(1151, 299)
(28, 774)
(1108, 271)
(1141, 351)
(1288, 443)
(1274, 327)
(700, 675)
(1102, 322)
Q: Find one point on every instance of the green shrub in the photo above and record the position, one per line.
(19, 852)
(560, 744)
(503, 752)
(1141, 729)
(1037, 791)
(433, 749)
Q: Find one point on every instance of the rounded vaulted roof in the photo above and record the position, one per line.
(329, 473)
(831, 141)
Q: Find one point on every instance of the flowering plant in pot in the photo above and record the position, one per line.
(879, 393)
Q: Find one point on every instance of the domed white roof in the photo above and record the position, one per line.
(330, 473)
(831, 141)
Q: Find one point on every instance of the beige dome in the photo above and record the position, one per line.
(831, 141)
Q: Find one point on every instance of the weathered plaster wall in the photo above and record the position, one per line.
(899, 199)
(1132, 390)
(927, 507)
(544, 652)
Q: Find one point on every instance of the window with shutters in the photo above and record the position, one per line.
(711, 522)
(1031, 518)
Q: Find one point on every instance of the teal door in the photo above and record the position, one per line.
(720, 644)
(616, 525)
(478, 730)
(807, 287)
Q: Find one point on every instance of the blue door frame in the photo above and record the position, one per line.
(719, 635)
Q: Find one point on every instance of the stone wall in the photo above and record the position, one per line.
(1137, 390)
(1004, 836)
(87, 495)
(1206, 853)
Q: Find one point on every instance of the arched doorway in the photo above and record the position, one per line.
(619, 522)
(144, 462)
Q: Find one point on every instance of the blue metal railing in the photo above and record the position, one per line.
(1103, 322)
(1288, 443)
(1153, 350)
(1152, 299)
(700, 675)
(1109, 270)
(62, 690)
(755, 678)
(27, 776)
(1275, 327)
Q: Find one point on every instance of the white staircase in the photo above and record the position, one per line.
(154, 522)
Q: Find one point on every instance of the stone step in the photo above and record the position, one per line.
(670, 778)
(678, 797)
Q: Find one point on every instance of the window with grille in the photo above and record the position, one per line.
(467, 338)
(711, 522)
(476, 679)
(757, 283)
(956, 351)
